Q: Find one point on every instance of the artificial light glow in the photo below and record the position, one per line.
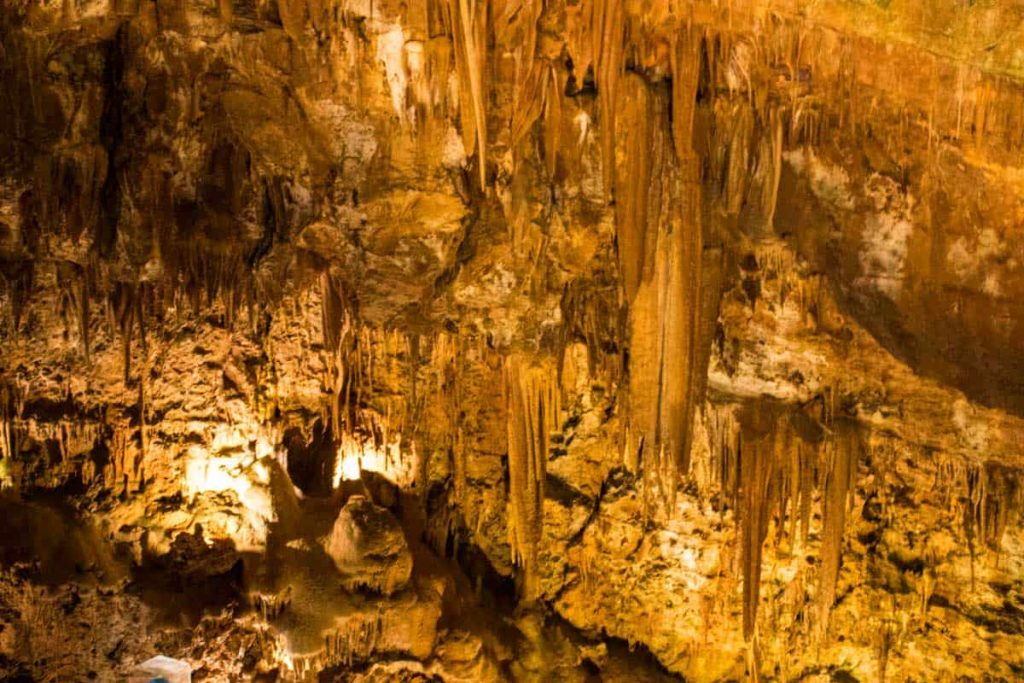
(240, 463)
(356, 456)
(349, 467)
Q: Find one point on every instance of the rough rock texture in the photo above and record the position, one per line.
(369, 548)
(681, 339)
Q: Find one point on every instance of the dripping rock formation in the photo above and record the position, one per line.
(533, 340)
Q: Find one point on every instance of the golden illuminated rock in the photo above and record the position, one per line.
(369, 549)
(476, 341)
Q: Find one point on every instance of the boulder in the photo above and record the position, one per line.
(369, 548)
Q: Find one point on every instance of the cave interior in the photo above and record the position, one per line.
(516, 340)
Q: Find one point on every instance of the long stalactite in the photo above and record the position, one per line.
(532, 396)
(660, 234)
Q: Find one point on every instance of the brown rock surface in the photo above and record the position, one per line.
(464, 340)
(369, 548)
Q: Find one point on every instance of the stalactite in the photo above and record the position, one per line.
(552, 120)
(529, 104)
(445, 363)
(590, 314)
(226, 10)
(533, 414)
(686, 62)
(121, 320)
(660, 243)
(713, 275)
(808, 465)
(757, 461)
(293, 17)
(734, 157)
(995, 498)
(606, 26)
(357, 638)
(659, 481)
(843, 458)
(516, 26)
(723, 432)
(143, 381)
(687, 331)
(12, 406)
(143, 404)
(467, 22)
(771, 158)
(538, 97)
(632, 202)
(337, 328)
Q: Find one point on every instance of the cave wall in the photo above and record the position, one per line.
(699, 321)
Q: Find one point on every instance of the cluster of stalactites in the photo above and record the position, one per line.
(532, 396)
(93, 304)
(661, 258)
(386, 387)
(12, 406)
(771, 462)
(72, 447)
(373, 397)
(995, 500)
(355, 640)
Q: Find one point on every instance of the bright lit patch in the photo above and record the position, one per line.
(356, 456)
(389, 51)
(349, 469)
(237, 469)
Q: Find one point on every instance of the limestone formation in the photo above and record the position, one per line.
(369, 548)
(521, 340)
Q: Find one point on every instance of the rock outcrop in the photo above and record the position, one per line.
(369, 548)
